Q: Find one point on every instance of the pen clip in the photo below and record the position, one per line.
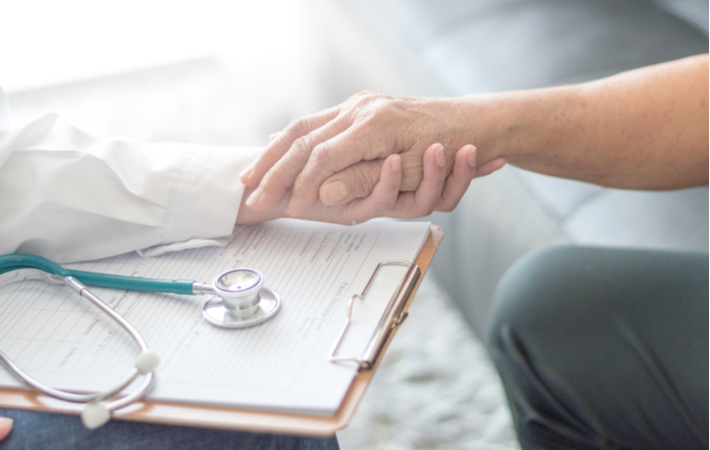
(391, 319)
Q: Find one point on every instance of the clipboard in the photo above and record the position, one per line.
(209, 416)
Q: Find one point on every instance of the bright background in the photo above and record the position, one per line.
(214, 71)
(48, 42)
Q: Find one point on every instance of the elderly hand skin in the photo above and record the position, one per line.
(642, 129)
(365, 129)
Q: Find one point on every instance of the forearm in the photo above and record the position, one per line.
(643, 129)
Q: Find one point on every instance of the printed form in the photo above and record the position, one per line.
(65, 341)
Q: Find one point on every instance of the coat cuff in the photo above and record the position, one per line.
(207, 194)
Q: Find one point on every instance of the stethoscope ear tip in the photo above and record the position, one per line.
(94, 415)
(147, 361)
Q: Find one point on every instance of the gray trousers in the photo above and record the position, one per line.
(605, 348)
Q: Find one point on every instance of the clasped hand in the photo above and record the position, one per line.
(374, 155)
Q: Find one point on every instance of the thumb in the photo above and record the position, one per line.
(356, 181)
(5, 427)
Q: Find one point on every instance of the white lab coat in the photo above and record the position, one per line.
(69, 196)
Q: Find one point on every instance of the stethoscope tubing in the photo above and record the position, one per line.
(85, 398)
(18, 261)
(145, 367)
(182, 287)
(25, 261)
(70, 396)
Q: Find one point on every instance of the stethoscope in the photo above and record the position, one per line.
(239, 300)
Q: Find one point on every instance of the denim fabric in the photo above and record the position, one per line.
(35, 430)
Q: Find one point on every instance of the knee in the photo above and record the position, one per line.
(531, 307)
(531, 294)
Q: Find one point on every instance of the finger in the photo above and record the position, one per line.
(383, 197)
(422, 202)
(432, 184)
(344, 150)
(490, 167)
(280, 178)
(5, 427)
(356, 181)
(281, 142)
(457, 183)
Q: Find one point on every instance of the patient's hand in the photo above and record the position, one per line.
(367, 127)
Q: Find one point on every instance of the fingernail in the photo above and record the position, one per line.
(274, 136)
(255, 197)
(396, 164)
(333, 192)
(439, 155)
(246, 172)
(472, 157)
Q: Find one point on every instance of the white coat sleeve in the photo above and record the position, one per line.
(69, 196)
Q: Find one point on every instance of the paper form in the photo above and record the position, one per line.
(64, 341)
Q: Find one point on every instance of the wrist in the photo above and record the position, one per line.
(492, 121)
(524, 127)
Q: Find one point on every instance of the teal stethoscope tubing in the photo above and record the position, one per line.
(97, 408)
(18, 261)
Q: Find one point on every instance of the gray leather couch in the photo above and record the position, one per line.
(458, 47)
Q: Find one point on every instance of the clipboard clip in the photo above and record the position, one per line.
(390, 320)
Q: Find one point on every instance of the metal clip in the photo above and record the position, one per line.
(390, 320)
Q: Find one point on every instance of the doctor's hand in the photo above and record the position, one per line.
(5, 427)
(436, 191)
(358, 180)
(365, 129)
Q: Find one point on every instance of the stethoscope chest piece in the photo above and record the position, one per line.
(241, 300)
